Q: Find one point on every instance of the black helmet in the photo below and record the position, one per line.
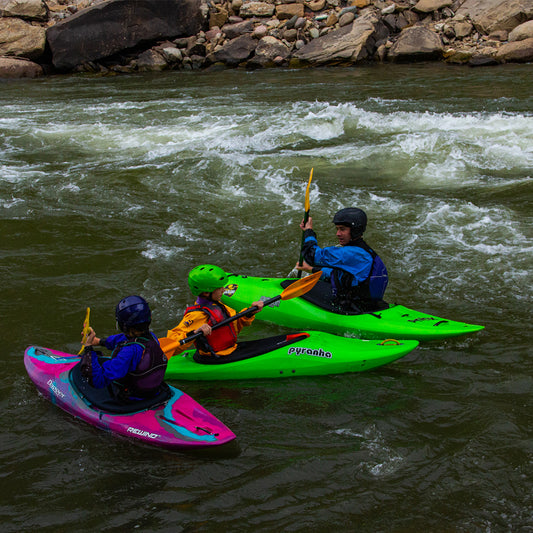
(133, 311)
(352, 217)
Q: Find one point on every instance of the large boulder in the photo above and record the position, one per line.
(18, 38)
(11, 67)
(416, 43)
(25, 9)
(524, 31)
(110, 27)
(516, 52)
(349, 44)
(493, 15)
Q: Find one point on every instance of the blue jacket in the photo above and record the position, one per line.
(352, 259)
(357, 274)
(124, 361)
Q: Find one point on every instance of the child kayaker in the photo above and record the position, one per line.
(137, 365)
(207, 284)
(357, 275)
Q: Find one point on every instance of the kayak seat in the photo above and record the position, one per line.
(248, 349)
(104, 400)
(320, 295)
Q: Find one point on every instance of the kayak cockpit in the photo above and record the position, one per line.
(249, 349)
(320, 295)
(105, 400)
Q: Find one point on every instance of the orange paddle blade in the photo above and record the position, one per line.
(301, 286)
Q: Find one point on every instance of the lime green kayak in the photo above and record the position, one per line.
(312, 353)
(397, 321)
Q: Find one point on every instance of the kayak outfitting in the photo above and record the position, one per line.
(311, 353)
(171, 420)
(313, 311)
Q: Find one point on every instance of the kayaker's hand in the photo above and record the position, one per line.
(306, 225)
(306, 267)
(259, 306)
(92, 339)
(206, 329)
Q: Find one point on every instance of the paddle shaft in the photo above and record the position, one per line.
(301, 261)
(231, 319)
(306, 218)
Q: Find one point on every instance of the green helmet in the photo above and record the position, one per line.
(206, 278)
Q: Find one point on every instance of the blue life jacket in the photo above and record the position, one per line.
(366, 295)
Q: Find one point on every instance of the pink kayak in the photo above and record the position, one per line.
(171, 420)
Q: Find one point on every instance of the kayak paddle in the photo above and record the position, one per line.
(294, 290)
(307, 207)
(85, 331)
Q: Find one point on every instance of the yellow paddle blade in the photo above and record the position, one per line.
(301, 286)
(307, 203)
(86, 329)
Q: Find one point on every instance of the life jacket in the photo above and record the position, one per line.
(221, 338)
(147, 378)
(366, 295)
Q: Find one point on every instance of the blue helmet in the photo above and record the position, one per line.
(132, 311)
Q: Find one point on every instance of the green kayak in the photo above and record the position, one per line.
(312, 353)
(310, 312)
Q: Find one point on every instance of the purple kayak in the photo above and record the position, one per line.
(172, 420)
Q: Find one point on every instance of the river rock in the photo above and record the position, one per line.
(237, 50)
(260, 32)
(316, 5)
(25, 9)
(238, 29)
(18, 38)
(517, 51)
(461, 29)
(268, 49)
(428, 6)
(151, 61)
(349, 44)
(11, 67)
(491, 15)
(416, 43)
(346, 18)
(287, 11)
(333, 18)
(110, 27)
(256, 9)
(172, 54)
(524, 31)
(218, 17)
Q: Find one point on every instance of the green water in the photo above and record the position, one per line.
(114, 186)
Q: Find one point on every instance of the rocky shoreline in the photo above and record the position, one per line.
(44, 37)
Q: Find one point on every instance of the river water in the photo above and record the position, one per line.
(118, 185)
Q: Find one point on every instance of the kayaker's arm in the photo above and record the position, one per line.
(191, 323)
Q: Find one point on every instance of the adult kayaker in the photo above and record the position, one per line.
(357, 274)
(137, 365)
(207, 283)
